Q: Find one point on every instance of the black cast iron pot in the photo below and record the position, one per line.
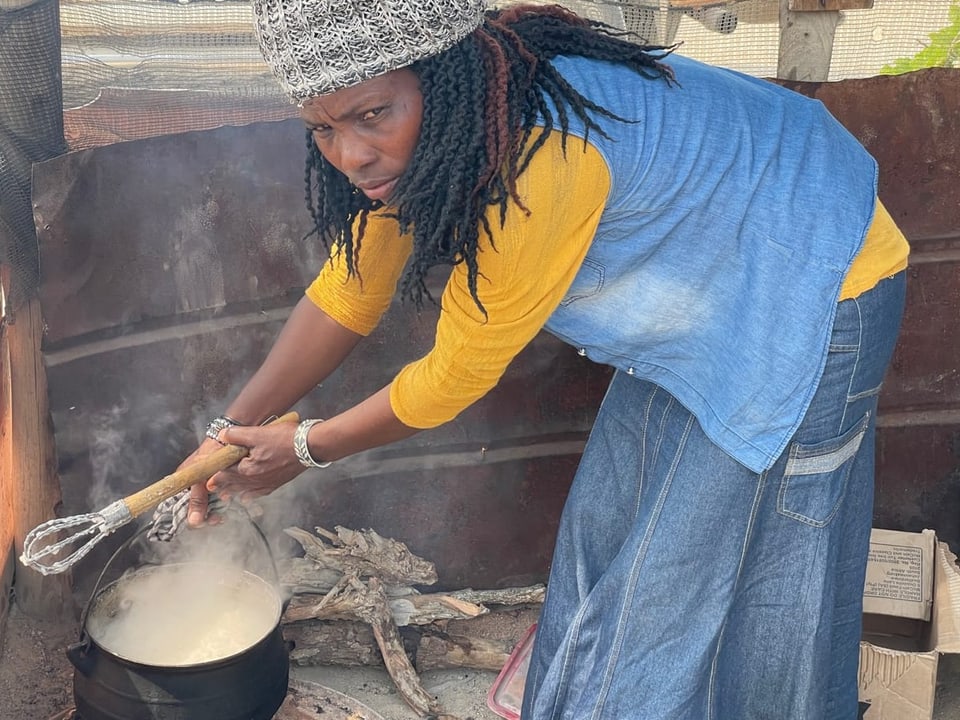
(124, 680)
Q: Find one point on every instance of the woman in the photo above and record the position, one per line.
(713, 237)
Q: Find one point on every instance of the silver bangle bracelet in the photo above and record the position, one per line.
(217, 424)
(301, 448)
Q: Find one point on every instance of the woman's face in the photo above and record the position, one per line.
(369, 131)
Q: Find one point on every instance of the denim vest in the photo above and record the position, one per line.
(735, 210)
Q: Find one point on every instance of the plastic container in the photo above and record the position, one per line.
(506, 694)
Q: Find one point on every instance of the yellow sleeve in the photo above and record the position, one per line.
(358, 302)
(885, 252)
(523, 277)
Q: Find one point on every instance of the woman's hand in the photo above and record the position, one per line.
(269, 463)
(197, 512)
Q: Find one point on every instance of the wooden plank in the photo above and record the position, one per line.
(30, 470)
(829, 5)
(6, 583)
(806, 43)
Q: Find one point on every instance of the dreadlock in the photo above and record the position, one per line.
(465, 159)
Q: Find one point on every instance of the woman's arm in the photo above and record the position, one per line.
(325, 326)
(310, 346)
(271, 461)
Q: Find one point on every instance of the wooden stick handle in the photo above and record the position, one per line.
(199, 471)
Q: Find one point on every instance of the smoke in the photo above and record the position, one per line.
(122, 456)
(132, 444)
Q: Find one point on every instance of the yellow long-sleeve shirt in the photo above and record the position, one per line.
(521, 282)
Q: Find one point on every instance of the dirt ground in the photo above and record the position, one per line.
(35, 679)
(35, 676)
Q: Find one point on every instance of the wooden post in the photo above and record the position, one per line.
(806, 43)
(28, 470)
(30, 78)
(7, 554)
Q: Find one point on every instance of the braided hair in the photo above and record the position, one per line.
(468, 159)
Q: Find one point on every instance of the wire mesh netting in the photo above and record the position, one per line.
(121, 47)
(209, 46)
(745, 35)
(206, 46)
(31, 126)
(135, 68)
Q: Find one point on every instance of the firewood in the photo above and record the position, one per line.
(353, 576)
(371, 607)
(306, 700)
(353, 644)
(343, 643)
(449, 651)
(482, 643)
(301, 575)
(415, 609)
(411, 609)
(532, 594)
(508, 624)
(364, 553)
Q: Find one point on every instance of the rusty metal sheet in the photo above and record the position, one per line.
(137, 233)
(910, 123)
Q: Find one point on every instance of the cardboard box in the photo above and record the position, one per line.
(900, 574)
(911, 616)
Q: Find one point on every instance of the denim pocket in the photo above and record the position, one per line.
(587, 282)
(815, 478)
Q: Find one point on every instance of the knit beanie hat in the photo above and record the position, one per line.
(315, 47)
